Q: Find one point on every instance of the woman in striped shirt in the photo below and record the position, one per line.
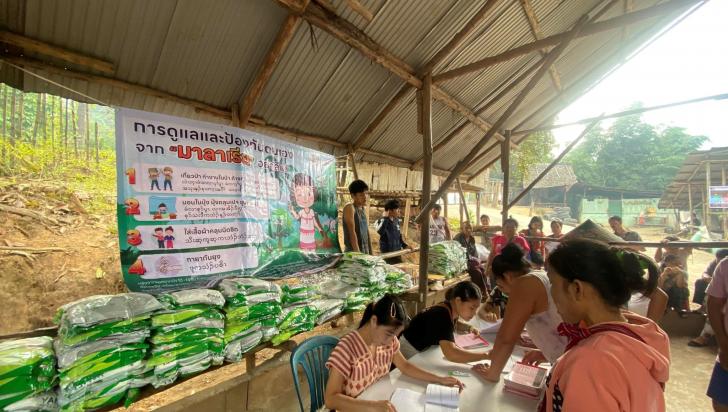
(366, 354)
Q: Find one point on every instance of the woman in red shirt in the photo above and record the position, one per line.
(508, 235)
(535, 229)
(363, 356)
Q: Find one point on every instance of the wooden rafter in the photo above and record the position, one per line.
(434, 61)
(538, 35)
(255, 124)
(346, 32)
(465, 162)
(593, 28)
(50, 50)
(288, 28)
(360, 9)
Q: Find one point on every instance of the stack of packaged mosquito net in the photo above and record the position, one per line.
(396, 280)
(101, 349)
(27, 375)
(367, 274)
(447, 258)
(252, 313)
(187, 336)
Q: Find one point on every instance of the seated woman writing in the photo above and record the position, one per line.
(530, 306)
(615, 361)
(366, 354)
(436, 325)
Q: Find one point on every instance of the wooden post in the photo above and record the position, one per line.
(477, 207)
(707, 195)
(407, 211)
(353, 167)
(461, 205)
(426, 103)
(690, 199)
(725, 212)
(444, 205)
(506, 168)
(464, 203)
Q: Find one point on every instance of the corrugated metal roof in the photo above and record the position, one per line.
(211, 51)
(691, 177)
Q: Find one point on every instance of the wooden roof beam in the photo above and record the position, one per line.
(590, 29)
(465, 162)
(357, 39)
(285, 34)
(50, 50)
(360, 9)
(538, 35)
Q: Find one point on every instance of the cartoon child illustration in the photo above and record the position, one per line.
(162, 208)
(133, 237)
(153, 175)
(132, 207)
(167, 177)
(159, 236)
(169, 237)
(303, 195)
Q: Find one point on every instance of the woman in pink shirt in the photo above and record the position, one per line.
(508, 235)
(614, 361)
(366, 354)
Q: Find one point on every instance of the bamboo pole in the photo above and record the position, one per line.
(593, 28)
(463, 202)
(676, 244)
(553, 164)
(426, 103)
(407, 212)
(707, 195)
(463, 163)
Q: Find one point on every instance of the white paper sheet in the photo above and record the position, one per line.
(442, 395)
(490, 327)
(408, 400)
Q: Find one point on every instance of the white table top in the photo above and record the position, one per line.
(478, 396)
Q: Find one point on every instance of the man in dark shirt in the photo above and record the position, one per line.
(475, 267)
(390, 236)
(627, 235)
(467, 240)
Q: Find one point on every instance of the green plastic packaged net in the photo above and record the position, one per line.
(447, 258)
(27, 371)
(252, 312)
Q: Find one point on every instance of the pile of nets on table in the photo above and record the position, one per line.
(396, 280)
(365, 272)
(101, 347)
(252, 312)
(27, 375)
(188, 335)
(294, 320)
(447, 258)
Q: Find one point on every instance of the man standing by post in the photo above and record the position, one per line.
(717, 297)
(390, 235)
(439, 229)
(615, 222)
(356, 228)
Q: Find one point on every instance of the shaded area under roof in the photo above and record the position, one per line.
(321, 86)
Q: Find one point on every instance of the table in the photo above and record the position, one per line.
(478, 395)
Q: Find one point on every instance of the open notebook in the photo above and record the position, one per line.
(471, 341)
(438, 398)
(526, 380)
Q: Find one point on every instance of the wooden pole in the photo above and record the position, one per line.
(426, 97)
(32, 45)
(463, 163)
(506, 168)
(445, 204)
(538, 35)
(593, 28)
(707, 195)
(690, 199)
(725, 212)
(407, 212)
(477, 207)
(353, 166)
(464, 203)
(553, 164)
(266, 70)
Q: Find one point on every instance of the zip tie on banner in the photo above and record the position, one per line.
(23, 69)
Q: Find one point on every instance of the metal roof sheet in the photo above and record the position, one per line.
(692, 177)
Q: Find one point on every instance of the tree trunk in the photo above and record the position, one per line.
(81, 125)
(74, 129)
(5, 122)
(36, 120)
(88, 135)
(21, 109)
(65, 132)
(96, 133)
(43, 121)
(13, 126)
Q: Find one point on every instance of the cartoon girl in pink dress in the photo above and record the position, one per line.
(304, 194)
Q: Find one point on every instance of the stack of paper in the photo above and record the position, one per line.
(526, 380)
(438, 398)
(471, 341)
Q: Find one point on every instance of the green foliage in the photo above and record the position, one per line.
(535, 149)
(632, 155)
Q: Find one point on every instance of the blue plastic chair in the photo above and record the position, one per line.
(312, 355)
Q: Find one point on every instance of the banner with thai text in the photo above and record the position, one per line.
(198, 202)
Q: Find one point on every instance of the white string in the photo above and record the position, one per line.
(23, 69)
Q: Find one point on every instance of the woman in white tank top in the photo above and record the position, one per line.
(530, 306)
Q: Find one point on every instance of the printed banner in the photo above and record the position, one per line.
(199, 202)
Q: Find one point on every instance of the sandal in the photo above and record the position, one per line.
(700, 342)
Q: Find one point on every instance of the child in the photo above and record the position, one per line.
(158, 234)
(303, 195)
(169, 237)
(390, 236)
(363, 356)
(674, 281)
(153, 175)
(167, 178)
(535, 229)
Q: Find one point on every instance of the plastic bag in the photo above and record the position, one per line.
(247, 286)
(183, 298)
(235, 350)
(94, 310)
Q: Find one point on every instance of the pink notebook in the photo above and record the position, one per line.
(471, 341)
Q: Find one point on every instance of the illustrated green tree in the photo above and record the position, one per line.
(280, 225)
(632, 154)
